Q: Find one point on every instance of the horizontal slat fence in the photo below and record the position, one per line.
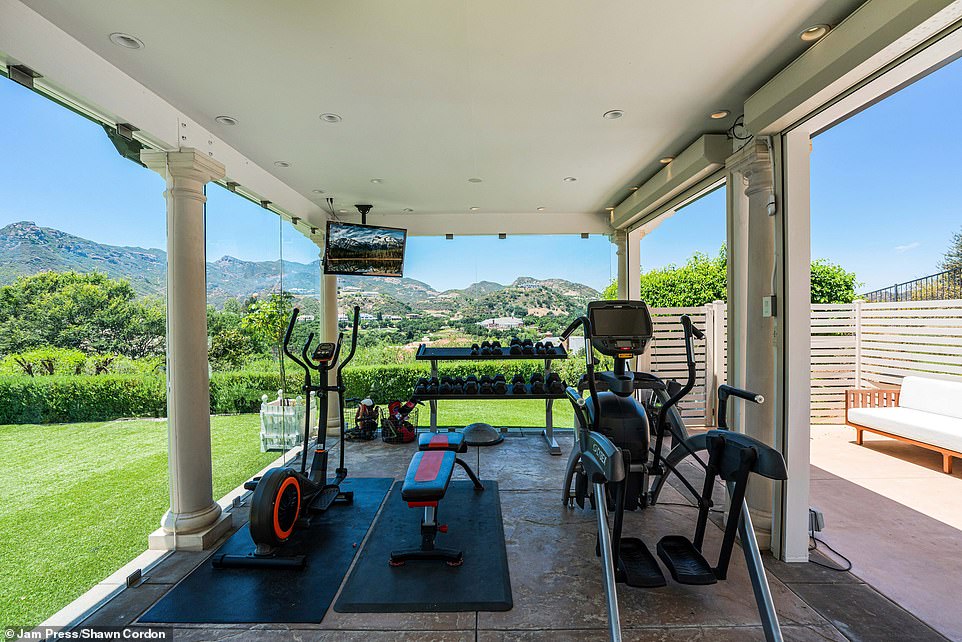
(868, 345)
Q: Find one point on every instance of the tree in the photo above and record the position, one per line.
(703, 279)
(267, 320)
(952, 259)
(88, 312)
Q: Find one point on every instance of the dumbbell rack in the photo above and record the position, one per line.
(434, 355)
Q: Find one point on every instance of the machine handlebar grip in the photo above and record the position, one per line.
(690, 327)
(290, 326)
(573, 326)
(725, 391)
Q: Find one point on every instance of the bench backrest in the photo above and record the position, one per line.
(932, 395)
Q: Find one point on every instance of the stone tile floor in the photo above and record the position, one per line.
(556, 578)
(883, 500)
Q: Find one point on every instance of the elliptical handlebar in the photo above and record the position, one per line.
(690, 331)
(724, 392)
(585, 323)
(287, 339)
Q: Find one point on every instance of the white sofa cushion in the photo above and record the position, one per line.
(926, 427)
(932, 395)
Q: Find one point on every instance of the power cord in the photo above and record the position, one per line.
(814, 546)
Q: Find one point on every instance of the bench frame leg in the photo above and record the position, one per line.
(947, 463)
(467, 469)
(429, 531)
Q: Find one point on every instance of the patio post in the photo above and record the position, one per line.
(620, 239)
(329, 333)
(194, 518)
(753, 260)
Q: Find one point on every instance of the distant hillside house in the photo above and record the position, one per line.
(366, 317)
(501, 323)
(309, 317)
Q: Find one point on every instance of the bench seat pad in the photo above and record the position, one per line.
(926, 427)
(428, 476)
(453, 441)
(932, 395)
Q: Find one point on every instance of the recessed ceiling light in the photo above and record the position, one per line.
(377, 181)
(664, 161)
(815, 32)
(721, 113)
(540, 209)
(330, 118)
(318, 191)
(474, 180)
(126, 41)
(407, 210)
(613, 114)
(633, 188)
(282, 164)
(569, 179)
(226, 120)
(342, 211)
(475, 209)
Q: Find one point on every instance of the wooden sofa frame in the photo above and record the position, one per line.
(882, 398)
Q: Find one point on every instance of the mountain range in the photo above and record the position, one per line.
(26, 248)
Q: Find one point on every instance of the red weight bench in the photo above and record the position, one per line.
(425, 484)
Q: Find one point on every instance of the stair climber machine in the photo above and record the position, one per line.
(615, 467)
(285, 497)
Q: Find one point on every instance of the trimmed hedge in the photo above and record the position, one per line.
(70, 399)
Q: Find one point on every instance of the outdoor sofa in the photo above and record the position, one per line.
(924, 412)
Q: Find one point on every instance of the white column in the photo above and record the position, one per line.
(633, 267)
(620, 239)
(329, 330)
(753, 260)
(191, 521)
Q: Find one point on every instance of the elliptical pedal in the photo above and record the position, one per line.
(685, 563)
(328, 496)
(637, 566)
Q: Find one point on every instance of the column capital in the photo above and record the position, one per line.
(754, 163)
(185, 162)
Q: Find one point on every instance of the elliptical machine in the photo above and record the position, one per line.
(285, 497)
(611, 453)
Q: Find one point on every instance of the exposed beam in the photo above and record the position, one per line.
(874, 35)
(701, 159)
(481, 224)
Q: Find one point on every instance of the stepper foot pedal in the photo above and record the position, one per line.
(325, 498)
(637, 566)
(684, 562)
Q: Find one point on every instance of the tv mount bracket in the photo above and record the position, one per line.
(363, 209)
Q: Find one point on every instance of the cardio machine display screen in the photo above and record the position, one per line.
(620, 322)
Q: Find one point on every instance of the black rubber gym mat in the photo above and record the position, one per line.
(474, 526)
(221, 596)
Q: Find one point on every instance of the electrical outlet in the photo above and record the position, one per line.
(816, 520)
(768, 306)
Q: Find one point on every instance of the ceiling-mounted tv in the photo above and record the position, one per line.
(364, 250)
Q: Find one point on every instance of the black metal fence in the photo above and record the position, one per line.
(944, 285)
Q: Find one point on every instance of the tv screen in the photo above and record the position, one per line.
(365, 250)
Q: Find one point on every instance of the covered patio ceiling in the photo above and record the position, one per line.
(432, 94)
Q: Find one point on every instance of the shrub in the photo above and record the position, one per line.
(69, 399)
(44, 361)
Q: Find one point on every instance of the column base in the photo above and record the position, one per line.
(198, 540)
(762, 521)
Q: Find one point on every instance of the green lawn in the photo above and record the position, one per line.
(77, 501)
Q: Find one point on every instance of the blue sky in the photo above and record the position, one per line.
(884, 199)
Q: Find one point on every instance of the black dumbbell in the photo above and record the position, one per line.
(487, 385)
(457, 386)
(555, 385)
(527, 346)
(549, 348)
(485, 348)
(445, 387)
(433, 386)
(475, 350)
(496, 347)
(499, 377)
(471, 386)
(537, 384)
(500, 387)
(516, 348)
(421, 387)
(539, 348)
(518, 385)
